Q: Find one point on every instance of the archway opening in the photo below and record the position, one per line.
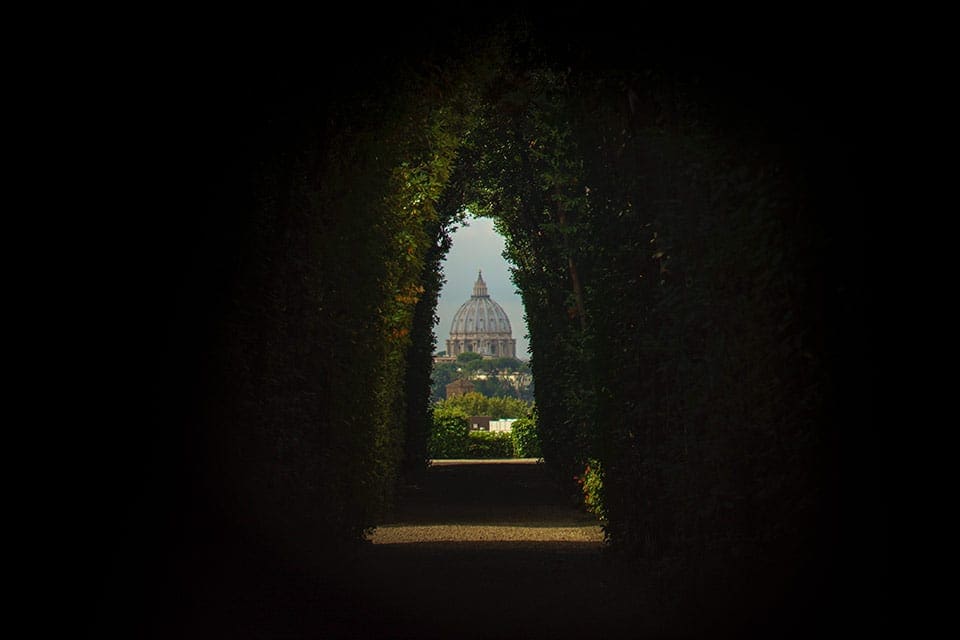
(677, 258)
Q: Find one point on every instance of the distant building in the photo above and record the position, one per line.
(480, 423)
(481, 326)
(486, 423)
(459, 387)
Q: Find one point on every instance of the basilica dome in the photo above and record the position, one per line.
(481, 326)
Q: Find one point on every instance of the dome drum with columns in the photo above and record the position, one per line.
(481, 326)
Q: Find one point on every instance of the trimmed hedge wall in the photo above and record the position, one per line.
(450, 437)
(486, 444)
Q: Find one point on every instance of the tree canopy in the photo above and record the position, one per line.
(498, 408)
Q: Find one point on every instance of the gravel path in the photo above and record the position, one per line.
(493, 549)
(487, 549)
(484, 501)
(406, 534)
(477, 550)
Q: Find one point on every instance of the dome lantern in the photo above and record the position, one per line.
(480, 287)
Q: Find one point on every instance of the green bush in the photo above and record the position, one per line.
(449, 433)
(490, 444)
(526, 440)
(591, 482)
(477, 404)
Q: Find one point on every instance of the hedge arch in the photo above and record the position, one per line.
(689, 278)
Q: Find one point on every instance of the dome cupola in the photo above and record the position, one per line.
(481, 326)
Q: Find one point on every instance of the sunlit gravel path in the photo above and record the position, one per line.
(494, 501)
(493, 549)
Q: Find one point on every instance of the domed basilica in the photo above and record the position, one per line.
(481, 326)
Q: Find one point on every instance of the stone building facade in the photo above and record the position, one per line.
(459, 387)
(481, 326)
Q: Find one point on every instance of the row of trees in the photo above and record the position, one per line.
(497, 407)
(493, 377)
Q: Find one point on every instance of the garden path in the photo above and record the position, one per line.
(494, 549)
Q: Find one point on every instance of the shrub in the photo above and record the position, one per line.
(526, 439)
(449, 433)
(591, 482)
(476, 404)
(487, 444)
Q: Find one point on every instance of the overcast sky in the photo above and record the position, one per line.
(479, 247)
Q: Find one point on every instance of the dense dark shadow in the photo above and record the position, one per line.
(171, 151)
(507, 589)
(518, 588)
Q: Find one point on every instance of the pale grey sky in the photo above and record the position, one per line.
(479, 248)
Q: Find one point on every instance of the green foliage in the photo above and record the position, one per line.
(468, 356)
(591, 483)
(489, 377)
(471, 366)
(334, 296)
(443, 374)
(526, 439)
(504, 386)
(486, 444)
(666, 275)
(475, 404)
(670, 280)
(449, 433)
(506, 364)
(527, 173)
